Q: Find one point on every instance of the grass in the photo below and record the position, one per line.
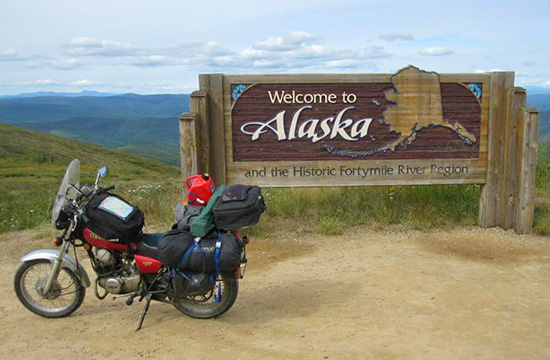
(32, 165)
(329, 211)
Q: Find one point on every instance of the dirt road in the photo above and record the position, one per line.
(463, 294)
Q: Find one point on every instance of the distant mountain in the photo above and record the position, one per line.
(53, 93)
(540, 101)
(533, 90)
(112, 132)
(155, 138)
(140, 124)
(57, 108)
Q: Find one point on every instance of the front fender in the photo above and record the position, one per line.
(68, 262)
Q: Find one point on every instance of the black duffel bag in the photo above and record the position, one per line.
(173, 245)
(238, 207)
(114, 219)
(230, 254)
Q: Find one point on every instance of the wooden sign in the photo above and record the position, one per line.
(408, 128)
(411, 127)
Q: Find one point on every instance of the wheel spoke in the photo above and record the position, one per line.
(63, 291)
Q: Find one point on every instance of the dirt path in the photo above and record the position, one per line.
(466, 294)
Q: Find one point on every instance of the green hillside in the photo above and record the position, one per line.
(32, 165)
(155, 138)
(168, 153)
(119, 122)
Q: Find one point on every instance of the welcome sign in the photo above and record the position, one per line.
(407, 128)
(413, 126)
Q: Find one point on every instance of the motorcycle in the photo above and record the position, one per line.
(53, 283)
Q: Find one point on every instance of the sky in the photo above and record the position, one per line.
(161, 46)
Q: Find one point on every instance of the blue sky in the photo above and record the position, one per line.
(161, 46)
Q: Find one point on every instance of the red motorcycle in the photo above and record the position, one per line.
(53, 284)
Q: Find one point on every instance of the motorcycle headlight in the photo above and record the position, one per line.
(63, 220)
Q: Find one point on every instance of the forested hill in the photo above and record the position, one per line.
(146, 125)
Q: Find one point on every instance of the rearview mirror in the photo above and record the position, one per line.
(103, 171)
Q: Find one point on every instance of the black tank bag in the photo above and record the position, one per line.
(239, 206)
(114, 219)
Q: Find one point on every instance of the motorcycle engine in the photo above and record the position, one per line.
(118, 278)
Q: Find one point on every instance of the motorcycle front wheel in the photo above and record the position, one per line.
(206, 306)
(65, 296)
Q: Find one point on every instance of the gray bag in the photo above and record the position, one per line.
(186, 215)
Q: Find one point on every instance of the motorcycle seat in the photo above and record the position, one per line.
(147, 244)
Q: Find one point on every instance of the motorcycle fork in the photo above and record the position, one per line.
(56, 267)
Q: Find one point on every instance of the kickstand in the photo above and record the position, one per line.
(145, 309)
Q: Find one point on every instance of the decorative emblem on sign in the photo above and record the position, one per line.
(417, 98)
(476, 88)
(236, 91)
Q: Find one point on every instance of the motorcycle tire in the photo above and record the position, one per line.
(212, 309)
(28, 292)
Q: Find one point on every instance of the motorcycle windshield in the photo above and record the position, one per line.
(72, 176)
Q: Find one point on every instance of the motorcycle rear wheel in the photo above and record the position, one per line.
(200, 309)
(66, 295)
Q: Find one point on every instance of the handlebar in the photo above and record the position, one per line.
(108, 188)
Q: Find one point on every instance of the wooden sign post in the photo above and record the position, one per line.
(413, 127)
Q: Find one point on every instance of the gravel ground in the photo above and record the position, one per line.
(461, 294)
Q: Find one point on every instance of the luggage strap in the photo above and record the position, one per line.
(217, 251)
(186, 256)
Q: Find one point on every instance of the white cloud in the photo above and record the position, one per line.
(85, 46)
(84, 82)
(152, 61)
(436, 51)
(375, 52)
(56, 64)
(65, 64)
(46, 82)
(291, 41)
(265, 63)
(391, 37)
(343, 63)
(10, 55)
(85, 42)
(252, 53)
(313, 51)
(296, 49)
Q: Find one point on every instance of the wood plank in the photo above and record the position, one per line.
(527, 161)
(340, 78)
(516, 98)
(213, 85)
(357, 173)
(188, 144)
(199, 106)
(491, 193)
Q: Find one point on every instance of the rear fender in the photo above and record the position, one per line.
(68, 262)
